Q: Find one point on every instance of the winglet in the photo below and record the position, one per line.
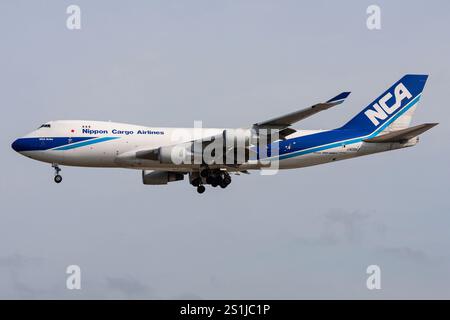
(339, 98)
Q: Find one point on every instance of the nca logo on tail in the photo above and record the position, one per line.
(382, 110)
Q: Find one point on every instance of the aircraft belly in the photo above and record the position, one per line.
(321, 156)
(45, 156)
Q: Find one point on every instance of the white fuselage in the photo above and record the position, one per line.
(109, 144)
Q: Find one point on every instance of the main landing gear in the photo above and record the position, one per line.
(201, 189)
(214, 178)
(58, 177)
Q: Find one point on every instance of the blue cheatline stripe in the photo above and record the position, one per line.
(44, 143)
(84, 143)
(353, 140)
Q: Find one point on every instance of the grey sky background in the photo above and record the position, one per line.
(306, 233)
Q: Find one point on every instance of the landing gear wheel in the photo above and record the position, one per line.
(223, 184)
(201, 189)
(58, 178)
(225, 181)
(204, 173)
(215, 182)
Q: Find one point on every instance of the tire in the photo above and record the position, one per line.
(204, 173)
(215, 182)
(201, 189)
(58, 178)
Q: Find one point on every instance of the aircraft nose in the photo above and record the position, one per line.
(17, 145)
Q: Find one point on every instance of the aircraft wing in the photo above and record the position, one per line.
(402, 135)
(287, 120)
(282, 123)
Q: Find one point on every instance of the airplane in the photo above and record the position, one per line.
(169, 154)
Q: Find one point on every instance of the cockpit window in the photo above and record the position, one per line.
(45, 126)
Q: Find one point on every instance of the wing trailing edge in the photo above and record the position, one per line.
(289, 119)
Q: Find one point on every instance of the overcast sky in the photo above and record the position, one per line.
(305, 233)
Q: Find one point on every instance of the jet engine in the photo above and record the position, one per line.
(160, 177)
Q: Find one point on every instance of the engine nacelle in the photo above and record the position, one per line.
(160, 177)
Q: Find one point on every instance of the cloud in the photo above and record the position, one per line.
(14, 265)
(187, 296)
(406, 253)
(16, 261)
(18, 281)
(339, 226)
(345, 226)
(128, 287)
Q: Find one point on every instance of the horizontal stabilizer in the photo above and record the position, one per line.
(402, 135)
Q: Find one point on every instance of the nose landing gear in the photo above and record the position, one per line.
(58, 177)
